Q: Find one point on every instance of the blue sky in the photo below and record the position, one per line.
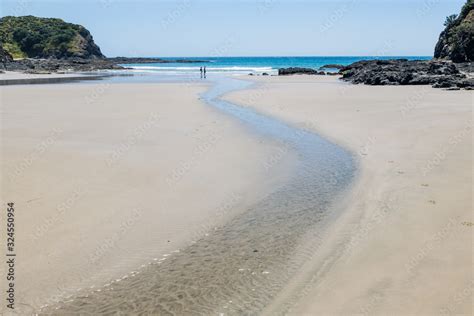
(252, 27)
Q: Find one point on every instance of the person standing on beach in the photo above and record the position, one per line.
(204, 72)
(201, 72)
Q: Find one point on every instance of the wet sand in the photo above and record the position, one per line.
(108, 177)
(403, 244)
(15, 78)
(241, 265)
(76, 161)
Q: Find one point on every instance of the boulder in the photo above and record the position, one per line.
(332, 66)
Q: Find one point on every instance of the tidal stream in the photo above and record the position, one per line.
(239, 267)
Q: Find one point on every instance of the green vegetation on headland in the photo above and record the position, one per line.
(456, 42)
(44, 45)
(34, 37)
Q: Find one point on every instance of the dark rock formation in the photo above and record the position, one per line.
(456, 42)
(465, 67)
(332, 66)
(297, 71)
(33, 65)
(452, 68)
(40, 65)
(5, 58)
(440, 74)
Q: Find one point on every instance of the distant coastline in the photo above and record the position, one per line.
(40, 45)
(240, 65)
(255, 65)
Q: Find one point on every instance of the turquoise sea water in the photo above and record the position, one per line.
(245, 65)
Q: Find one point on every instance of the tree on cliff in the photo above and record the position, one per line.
(450, 20)
(456, 42)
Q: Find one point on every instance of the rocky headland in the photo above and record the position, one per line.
(451, 67)
(46, 45)
(34, 37)
(456, 42)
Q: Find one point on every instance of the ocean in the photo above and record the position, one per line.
(255, 65)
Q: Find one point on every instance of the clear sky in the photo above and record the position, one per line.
(252, 27)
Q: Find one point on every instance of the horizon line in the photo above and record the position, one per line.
(270, 56)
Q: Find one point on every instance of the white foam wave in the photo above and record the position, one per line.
(196, 69)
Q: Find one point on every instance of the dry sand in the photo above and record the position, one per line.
(403, 245)
(107, 177)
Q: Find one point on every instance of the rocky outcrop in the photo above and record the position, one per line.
(452, 67)
(34, 65)
(41, 65)
(5, 58)
(34, 37)
(439, 74)
(83, 45)
(332, 66)
(456, 42)
(298, 71)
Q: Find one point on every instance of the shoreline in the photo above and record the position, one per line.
(389, 190)
(13, 78)
(405, 71)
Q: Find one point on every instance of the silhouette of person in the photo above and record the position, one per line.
(201, 72)
(204, 72)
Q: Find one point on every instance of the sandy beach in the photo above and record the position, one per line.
(108, 177)
(232, 158)
(403, 244)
